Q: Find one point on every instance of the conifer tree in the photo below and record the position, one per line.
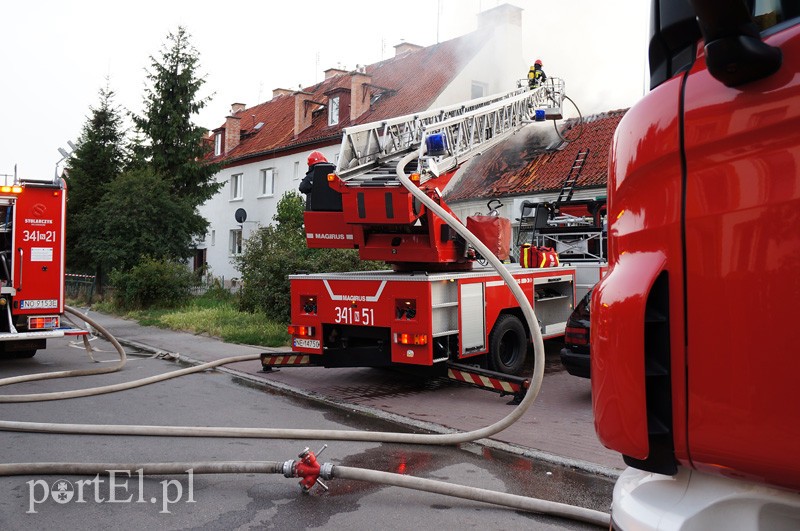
(174, 146)
(97, 161)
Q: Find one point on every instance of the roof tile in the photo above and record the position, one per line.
(524, 164)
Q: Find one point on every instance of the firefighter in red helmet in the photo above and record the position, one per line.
(308, 181)
(536, 75)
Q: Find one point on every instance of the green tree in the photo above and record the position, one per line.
(174, 144)
(274, 252)
(97, 161)
(137, 217)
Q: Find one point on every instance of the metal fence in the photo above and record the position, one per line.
(81, 287)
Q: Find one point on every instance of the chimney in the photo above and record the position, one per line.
(403, 47)
(281, 92)
(500, 15)
(233, 131)
(237, 107)
(359, 94)
(329, 73)
(302, 112)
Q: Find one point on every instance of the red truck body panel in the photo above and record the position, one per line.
(743, 271)
(707, 201)
(376, 300)
(38, 250)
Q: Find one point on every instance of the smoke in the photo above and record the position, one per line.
(502, 160)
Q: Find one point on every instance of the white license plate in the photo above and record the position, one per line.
(30, 304)
(306, 343)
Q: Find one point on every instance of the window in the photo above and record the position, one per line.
(478, 89)
(267, 182)
(218, 144)
(333, 111)
(236, 186)
(236, 242)
(296, 170)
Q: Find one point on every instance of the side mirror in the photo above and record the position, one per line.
(735, 53)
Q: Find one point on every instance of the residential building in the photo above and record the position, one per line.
(263, 148)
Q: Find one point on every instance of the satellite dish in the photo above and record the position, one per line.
(240, 215)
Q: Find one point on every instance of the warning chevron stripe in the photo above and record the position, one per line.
(293, 359)
(483, 381)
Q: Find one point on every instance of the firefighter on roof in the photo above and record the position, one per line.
(536, 75)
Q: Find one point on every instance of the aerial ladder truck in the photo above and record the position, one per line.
(435, 309)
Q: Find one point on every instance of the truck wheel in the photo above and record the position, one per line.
(508, 345)
(23, 354)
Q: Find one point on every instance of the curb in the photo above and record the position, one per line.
(576, 464)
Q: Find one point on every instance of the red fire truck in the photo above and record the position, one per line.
(32, 216)
(694, 362)
(434, 308)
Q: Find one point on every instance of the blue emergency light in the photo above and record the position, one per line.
(436, 144)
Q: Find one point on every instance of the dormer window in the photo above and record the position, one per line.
(218, 144)
(333, 111)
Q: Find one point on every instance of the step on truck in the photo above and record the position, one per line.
(435, 309)
(695, 359)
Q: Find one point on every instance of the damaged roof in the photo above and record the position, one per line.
(404, 84)
(535, 160)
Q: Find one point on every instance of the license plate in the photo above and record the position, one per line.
(30, 304)
(306, 343)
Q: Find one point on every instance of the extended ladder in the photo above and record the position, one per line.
(568, 187)
(370, 152)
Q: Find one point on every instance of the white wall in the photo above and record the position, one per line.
(219, 210)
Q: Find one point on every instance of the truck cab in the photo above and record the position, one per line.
(693, 365)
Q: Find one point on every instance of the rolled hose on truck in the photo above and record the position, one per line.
(327, 470)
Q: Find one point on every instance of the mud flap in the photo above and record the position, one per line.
(504, 384)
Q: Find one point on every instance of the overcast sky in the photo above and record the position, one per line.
(56, 54)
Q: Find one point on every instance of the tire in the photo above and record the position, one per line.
(508, 345)
(21, 354)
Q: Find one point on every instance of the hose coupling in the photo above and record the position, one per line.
(326, 471)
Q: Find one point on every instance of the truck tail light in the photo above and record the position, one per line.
(300, 330)
(576, 335)
(308, 303)
(11, 189)
(411, 339)
(43, 323)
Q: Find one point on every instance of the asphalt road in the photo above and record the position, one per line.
(248, 500)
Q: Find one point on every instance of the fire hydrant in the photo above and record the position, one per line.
(306, 468)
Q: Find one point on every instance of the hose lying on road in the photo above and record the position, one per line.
(68, 374)
(512, 501)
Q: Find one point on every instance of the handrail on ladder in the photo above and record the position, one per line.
(474, 123)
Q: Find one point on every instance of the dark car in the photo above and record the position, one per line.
(575, 354)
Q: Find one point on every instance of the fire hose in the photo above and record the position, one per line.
(541, 506)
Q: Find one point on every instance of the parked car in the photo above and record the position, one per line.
(575, 354)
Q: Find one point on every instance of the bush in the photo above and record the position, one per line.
(274, 252)
(151, 283)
